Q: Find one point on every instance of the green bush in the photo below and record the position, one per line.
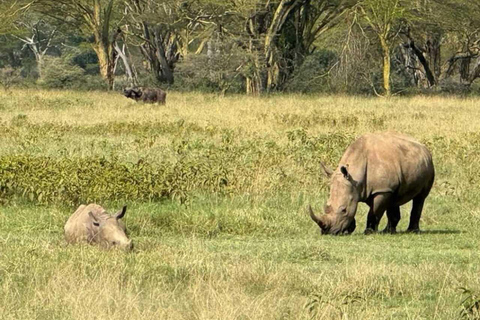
(312, 75)
(60, 74)
(218, 73)
(74, 181)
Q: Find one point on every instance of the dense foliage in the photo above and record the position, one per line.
(255, 46)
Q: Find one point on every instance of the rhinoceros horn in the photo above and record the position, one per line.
(328, 172)
(120, 214)
(318, 220)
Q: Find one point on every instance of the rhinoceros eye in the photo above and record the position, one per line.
(342, 209)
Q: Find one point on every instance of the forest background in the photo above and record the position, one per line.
(381, 47)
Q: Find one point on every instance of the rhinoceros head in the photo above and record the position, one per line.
(132, 93)
(109, 231)
(339, 217)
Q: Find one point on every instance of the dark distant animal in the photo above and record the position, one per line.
(147, 95)
(383, 170)
(92, 224)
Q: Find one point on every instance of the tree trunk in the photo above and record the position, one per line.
(39, 59)
(434, 54)
(132, 79)
(386, 66)
(423, 61)
(103, 45)
(476, 71)
(254, 81)
(279, 18)
(410, 63)
(166, 75)
(465, 70)
(106, 63)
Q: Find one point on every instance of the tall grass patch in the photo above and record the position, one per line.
(216, 189)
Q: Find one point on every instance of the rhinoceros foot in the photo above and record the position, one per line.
(389, 230)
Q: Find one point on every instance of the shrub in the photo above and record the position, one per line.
(218, 73)
(9, 77)
(80, 180)
(470, 305)
(312, 75)
(59, 73)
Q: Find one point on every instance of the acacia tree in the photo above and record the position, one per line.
(38, 37)
(123, 54)
(436, 27)
(281, 34)
(461, 21)
(156, 24)
(10, 10)
(383, 17)
(92, 18)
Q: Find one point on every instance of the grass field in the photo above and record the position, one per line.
(216, 189)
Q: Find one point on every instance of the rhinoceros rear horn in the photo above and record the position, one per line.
(120, 214)
(315, 218)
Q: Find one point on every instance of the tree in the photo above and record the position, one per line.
(157, 24)
(39, 38)
(383, 17)
(450, 27)
(94, 18)
(460, 20)
(281, 34)
(9, 12)
(123, 54)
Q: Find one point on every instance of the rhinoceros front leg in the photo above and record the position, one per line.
(378, 205)
(393, 214)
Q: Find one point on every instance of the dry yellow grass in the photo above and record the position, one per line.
(251, 253)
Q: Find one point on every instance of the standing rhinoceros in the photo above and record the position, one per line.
(383, 170)
(147, 95)
(93, 224)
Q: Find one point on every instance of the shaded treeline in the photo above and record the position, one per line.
(252, 46)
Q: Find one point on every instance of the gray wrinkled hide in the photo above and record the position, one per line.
(107, 231)
(383, 170)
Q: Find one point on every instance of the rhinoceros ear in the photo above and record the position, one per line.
(326, 170)
(344, 171)
(120, 214)
(95, 221)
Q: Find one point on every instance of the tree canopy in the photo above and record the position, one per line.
(251, 46)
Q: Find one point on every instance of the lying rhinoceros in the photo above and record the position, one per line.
(383, 170)
(93, 224)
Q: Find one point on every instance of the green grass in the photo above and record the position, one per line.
(225, 235)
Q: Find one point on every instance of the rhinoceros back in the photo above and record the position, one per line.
(76, 228)
(390, 162)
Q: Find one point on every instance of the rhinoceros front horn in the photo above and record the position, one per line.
(326, 170)
(315, 218)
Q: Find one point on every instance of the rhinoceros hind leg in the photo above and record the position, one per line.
(393, 214)
(380, 203)
(416, 213)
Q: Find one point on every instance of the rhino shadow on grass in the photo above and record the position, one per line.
(383, 170)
